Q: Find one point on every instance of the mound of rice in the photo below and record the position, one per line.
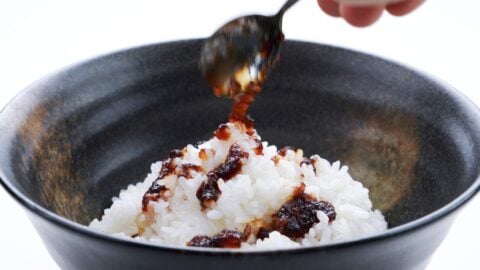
(203, 193)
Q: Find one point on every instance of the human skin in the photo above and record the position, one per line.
(362, 15)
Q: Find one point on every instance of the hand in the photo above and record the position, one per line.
(365, 15)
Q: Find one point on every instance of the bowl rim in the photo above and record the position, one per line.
(70, 225)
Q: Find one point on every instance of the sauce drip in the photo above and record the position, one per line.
(168, 167)
(224, 239)
(305, 161)
(157, 191)
(283, 152)
(208, 192)
(241, 103)
(187, 168)
(247, 81)
(309, 161)
(176, 153)
(222, 132)
(263, 233)
(154, 193)
(202, 154)
(259, 149)
(298, 215)
(232, 164)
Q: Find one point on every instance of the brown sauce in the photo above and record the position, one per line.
(203, 155)
(299, 214)
(283, 152)
(209, 191)
(176, 153)
(243, 92)
(154, 193)
(224, 239)
(157, 191)
(263, 233)
(241, 102)
(222, 132)
(168, 167)
(259, 149)
(309, 161)
(187, 168)
(305, 161)
(232, 164)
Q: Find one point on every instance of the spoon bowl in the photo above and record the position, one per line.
(239, 55)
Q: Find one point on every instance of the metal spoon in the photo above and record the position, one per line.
(238, 56)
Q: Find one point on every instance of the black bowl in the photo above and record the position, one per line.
(74, 139)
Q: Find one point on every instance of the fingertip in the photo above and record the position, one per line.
(330, 7)
(361, 16)
(404, 7)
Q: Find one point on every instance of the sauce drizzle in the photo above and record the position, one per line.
(224, 239)
(154, 193)
(222, 132)
(298, 215)
(208, 192)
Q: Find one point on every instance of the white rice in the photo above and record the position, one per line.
(255, 194)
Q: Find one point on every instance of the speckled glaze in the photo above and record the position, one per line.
(72, 140)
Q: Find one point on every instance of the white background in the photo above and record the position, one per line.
(40, 36)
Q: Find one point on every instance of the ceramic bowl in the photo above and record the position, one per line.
(73, 140)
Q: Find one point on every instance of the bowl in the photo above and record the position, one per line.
(72, 140)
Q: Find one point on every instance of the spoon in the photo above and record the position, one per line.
(238, 56)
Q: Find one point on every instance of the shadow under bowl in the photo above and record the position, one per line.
(73, 140)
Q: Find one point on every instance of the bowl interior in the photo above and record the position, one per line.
(73, 140)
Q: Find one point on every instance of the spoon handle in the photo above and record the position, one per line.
(285, 7)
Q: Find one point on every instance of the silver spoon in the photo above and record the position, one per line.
(238, 56)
